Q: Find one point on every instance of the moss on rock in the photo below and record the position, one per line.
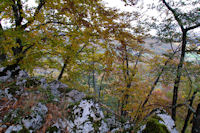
(24, 130)
(32, 82)
(52, 129)
(154, 126)
(14, 116)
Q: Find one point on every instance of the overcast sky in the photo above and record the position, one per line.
(118, 4)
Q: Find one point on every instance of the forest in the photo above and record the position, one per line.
(83, 66)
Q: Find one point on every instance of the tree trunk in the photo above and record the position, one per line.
(158, 78)
(62, 71)
(89, 80)
(196, 121)
(93, 80)
(17, 52)
(189, 113)
(178, 74)
(100, 86)
(125, 101)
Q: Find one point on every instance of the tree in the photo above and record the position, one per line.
(196, 120)
(13, 43)
(175, 24)
(186, 23)
(39, 34)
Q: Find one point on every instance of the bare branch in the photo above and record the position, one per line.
(53, 22)
(79, 51)
(174, 14)
(158, 78)
(136, 63)
(25, 50)
(193, 27)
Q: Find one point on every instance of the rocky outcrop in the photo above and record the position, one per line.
(75, 96)
(81, 115)
(159, 122)
(86, 116)
(31, 122)
(35, 119)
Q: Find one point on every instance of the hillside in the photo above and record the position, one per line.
(30, 104)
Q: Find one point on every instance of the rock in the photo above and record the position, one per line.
(10, 74)
(22, 74)
(43, 82)
(85, 117)
(159, 122)
(13, 116)
(5, 78)
(127, 126)
(35, 119)
(54, 129)
(33, 82)
(75, 96)
(167, 120)
(1, 69)
(113, 124)
(62, 123)
(58, 127)
(55, 86)
(11, 92)
(12, 129)
(2, 93)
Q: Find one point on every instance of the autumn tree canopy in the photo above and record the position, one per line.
(108, 53)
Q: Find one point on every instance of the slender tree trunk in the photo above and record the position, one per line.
(2, 54)
(93, 80)
(62, 71)
(89, 80)
(66, 61)
(17, 52)
(188, 113)
(100, 86)
(157, 79)
(178, 74)
(93, 73)
(196, 121)
(125, 101)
